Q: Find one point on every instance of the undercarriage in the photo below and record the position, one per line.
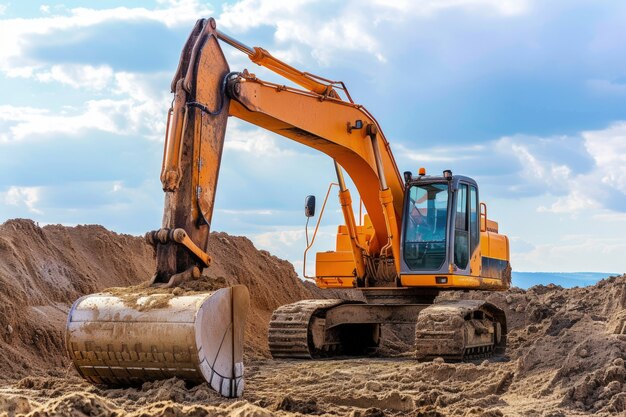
(454, 330)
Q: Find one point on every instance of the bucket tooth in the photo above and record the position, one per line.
(197, 337)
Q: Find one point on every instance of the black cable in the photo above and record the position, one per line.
(203, 108)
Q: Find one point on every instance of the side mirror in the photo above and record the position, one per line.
(309, 206)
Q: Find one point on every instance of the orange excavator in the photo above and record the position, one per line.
(421, 235)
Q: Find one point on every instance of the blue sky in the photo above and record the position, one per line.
(527, 97)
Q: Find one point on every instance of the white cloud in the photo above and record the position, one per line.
(608, 149)
(431, 7)
(78, 76)
(440, 153)
(117, 186)
(238, 16)
(137, 107)
(346, 26)
(574, 202)
(251, 212)
(579, 191)
(19, 113)
(294, 22)
(99, 114)
(607, 87)
(26, 196)
(590, 190)
(3, 9)
(15, 32)
(572, 253)
(289, 243)
(129, 209)
(273, 240)
(610, 217)
(546, 172)
(141, 108)
(151, 99)
(573, 174)
(254, 141)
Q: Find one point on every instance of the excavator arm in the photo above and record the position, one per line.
(315, 116)
(195, 131)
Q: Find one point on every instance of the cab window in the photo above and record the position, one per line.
(425, 228)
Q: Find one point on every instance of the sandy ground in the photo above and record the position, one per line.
(565, 358)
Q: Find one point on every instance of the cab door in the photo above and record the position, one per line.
(466, 229)
(474, 226)
(461, 229)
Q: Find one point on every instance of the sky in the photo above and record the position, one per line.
(527, 97)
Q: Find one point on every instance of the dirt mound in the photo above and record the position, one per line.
(43, 270)
(571, 343)
(73, 397)
(566, 347)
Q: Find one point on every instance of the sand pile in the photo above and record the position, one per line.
(566, 346)
(570, 343)
(43, 270)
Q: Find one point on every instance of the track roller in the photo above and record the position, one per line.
(299, 330)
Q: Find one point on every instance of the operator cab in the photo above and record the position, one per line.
(441, 231)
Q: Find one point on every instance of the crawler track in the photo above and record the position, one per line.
(290, 332)
(460, 331)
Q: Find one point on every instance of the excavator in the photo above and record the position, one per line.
(420, 235)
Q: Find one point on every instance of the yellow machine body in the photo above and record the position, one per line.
(335, 269)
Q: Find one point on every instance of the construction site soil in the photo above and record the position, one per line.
(565, 357)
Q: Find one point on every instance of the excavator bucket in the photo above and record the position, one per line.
(129, 339)
(126, 337)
